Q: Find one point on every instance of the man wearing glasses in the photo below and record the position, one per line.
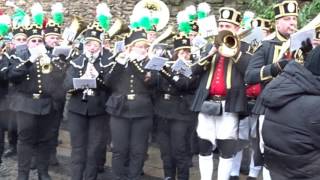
(33, 103)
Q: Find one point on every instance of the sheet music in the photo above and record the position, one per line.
(297, 38)
(181, 67)
(81, 83)
(156, 63)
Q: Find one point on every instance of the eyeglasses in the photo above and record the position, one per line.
(21, 39)
(35, 40)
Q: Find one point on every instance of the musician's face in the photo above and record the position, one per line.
(287, 25)
(184, 54)
(19, 40)
(52, 40)
(92, 46)
(151, 36)
(228, 26)
(192, 35)
(140, 48)
(35, 42)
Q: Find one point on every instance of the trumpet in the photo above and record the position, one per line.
(45, 63)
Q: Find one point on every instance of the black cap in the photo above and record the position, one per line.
(286, 8)
(231, 15)
(52, 28)
(263, 23)
(94, 32)
(181, 41)
(18, 30)
(33, 31)
(135, 35)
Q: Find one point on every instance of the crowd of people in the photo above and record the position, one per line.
(237, 94)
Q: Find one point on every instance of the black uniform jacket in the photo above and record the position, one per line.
(131, 88)
(4, 83)
(174, 95)
(95, 104)
(33, 88)
(259, 67)
(234, 69)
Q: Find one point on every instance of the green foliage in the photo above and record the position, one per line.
(309, 11)
(263, 8)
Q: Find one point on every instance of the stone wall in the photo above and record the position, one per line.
(123, 8)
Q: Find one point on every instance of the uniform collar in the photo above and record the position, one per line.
(280, 37)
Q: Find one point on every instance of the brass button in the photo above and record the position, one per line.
(39, 81)
(132, 76)
(131, 91)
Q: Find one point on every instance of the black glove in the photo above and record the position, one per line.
(277, 67)
(306, 46)
(62, 57)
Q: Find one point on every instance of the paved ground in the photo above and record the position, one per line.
(152, 169)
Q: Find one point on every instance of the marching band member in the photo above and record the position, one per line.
(52, 38)
(175, 120)
(219, 98)
(86, 110)
(30, 73)
(247, 125)
(5, 24)
(130, 106)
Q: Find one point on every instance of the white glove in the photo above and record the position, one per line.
(122, 59)
(33, 58)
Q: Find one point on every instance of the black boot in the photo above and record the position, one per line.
(44, 176)
(23, 176)
(53, 160)
(33, 164)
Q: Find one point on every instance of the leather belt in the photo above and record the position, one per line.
(217, 98)
(131, 97)
(171, 97)
(37, 96)
(251, 98)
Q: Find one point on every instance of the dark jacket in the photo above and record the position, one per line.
(95, 104)
(291, 129)
(174, 95)
(33, 87)
(234, 69)
(4, 83)
(259, 67)
(131, 92)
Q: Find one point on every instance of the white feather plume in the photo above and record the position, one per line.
(205, 7)
(57, 8)
(36, 9)
(191, 10)
(182, 16)
(103, 9)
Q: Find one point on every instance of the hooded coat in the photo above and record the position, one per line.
(291, 130)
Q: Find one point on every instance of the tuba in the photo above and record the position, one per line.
(74, 31)
(157, 9)
(119, 27)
